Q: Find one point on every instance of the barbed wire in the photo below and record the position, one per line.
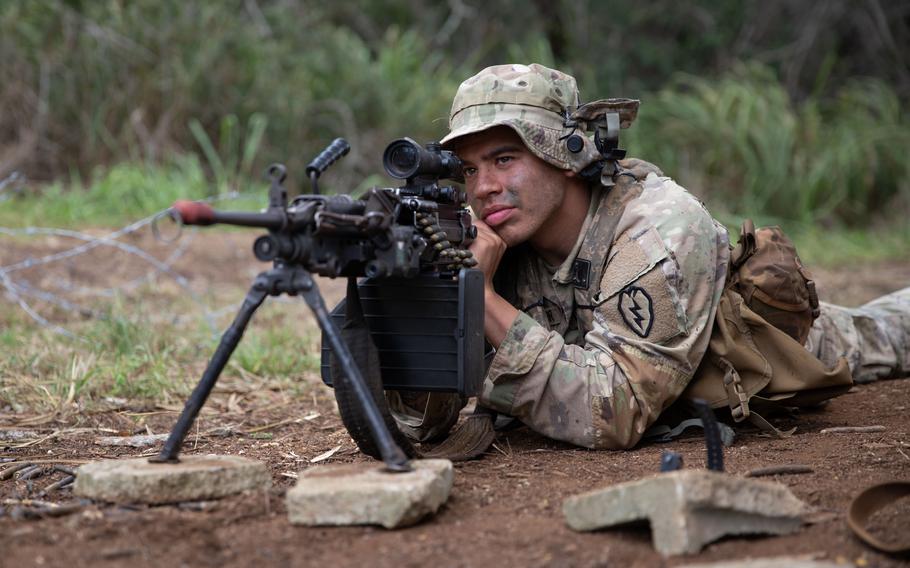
(12, 183)
(19, 289)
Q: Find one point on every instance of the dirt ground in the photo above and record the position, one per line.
(505, 509)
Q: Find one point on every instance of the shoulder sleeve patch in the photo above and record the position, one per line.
(636, 297)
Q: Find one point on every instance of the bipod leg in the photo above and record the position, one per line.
(226, 347)
(394, 458)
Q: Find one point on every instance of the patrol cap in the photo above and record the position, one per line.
(534, 101)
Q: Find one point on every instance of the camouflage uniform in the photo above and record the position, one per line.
(610, 338)
(875, 337)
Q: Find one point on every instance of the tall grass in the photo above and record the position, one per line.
(101, 82)
(239, 84)
(742, 144)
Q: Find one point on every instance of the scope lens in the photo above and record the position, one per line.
(402, 158)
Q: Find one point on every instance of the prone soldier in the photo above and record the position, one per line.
(607, 284)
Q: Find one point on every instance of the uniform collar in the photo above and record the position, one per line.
(566, 272)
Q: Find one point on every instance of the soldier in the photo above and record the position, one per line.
(602, 280)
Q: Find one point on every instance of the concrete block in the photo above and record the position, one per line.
(194, 478)
(365, 494)
(689, 508)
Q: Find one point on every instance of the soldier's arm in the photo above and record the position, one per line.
(499, 314)
(651, 324)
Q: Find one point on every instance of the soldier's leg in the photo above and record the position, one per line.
(875, 337)
(425, 416)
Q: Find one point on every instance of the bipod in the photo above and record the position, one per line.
(292, 280)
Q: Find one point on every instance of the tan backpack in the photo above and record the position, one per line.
(756, 356)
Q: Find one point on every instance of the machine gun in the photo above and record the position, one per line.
(410, 243)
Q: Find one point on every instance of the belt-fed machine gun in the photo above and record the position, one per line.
(422, 304)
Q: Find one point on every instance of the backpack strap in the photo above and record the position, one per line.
(738, 401)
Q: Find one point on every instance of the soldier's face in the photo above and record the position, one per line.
(513, 191)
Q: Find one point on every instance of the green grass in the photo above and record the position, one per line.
(135, 354)
(744, 146)
(845, 248)
(835, 245)
(123, 194)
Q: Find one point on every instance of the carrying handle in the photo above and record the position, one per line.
(746, 245)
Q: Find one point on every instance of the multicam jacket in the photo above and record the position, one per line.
(609, 339)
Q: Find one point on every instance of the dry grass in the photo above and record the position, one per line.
(138, 354)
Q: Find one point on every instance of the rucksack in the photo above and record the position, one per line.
(756, 357)
(768, 273)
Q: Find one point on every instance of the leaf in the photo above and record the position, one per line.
(326, 455)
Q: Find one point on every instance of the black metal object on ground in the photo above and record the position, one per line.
(713, 443)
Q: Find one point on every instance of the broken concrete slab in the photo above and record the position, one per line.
(687, 509)
(366, 494)
(776, 562)
(194, 478)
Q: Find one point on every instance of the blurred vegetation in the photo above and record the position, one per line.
(777, 109)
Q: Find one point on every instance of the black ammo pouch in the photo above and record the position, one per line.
(428, 332)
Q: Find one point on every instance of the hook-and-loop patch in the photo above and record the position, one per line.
(637, 298)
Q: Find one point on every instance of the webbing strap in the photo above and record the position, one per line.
(663, 432)
(759, 422)
(737, 398)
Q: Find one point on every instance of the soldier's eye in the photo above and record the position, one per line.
(503, 159)
(469, 172)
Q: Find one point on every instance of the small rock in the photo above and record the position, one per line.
(365, 494)
(194, 478)
(15, 435)
(776, 562)
(689, 508)
(142, 441)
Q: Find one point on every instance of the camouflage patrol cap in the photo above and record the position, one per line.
(535, 101)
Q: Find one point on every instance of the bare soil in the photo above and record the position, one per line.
(505, 509)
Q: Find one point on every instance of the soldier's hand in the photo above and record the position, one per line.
(488, 249)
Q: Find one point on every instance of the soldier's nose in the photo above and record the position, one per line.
(485, 186)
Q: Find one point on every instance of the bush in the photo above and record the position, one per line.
(745, 147)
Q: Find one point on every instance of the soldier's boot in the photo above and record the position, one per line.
(425, 416)
(875, 337)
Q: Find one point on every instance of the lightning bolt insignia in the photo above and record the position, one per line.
(637, 310)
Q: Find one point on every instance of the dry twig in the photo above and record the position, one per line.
(272, 425)
(65, 482)
(852, 429)
(787, 469)
(8, 472)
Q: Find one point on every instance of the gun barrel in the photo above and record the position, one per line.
(200, 213)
